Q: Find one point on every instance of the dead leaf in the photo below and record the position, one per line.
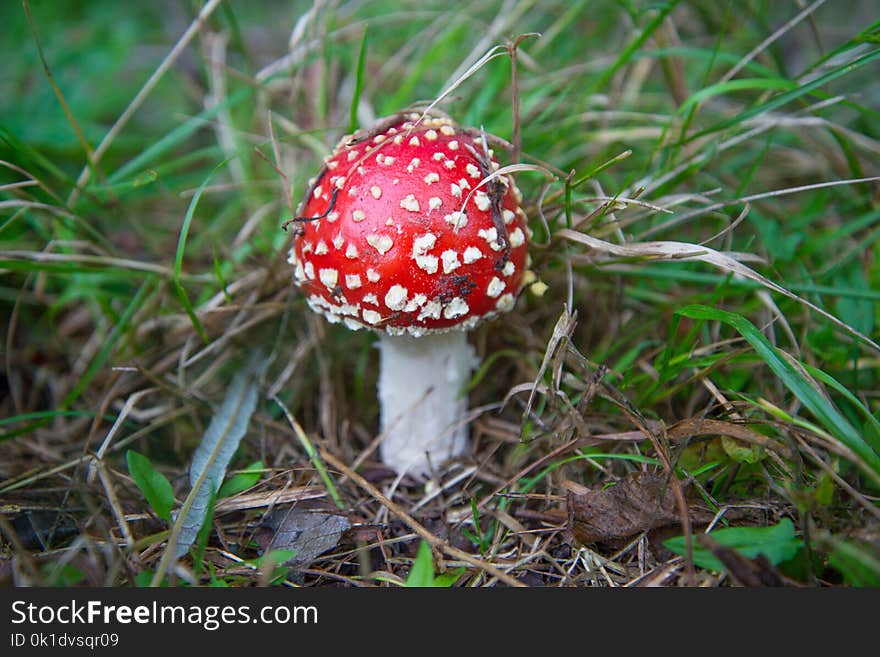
(639, 502)
(306, 532)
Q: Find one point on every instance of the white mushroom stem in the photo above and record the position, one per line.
(421, 399)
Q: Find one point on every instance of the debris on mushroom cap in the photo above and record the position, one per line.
(406, 230)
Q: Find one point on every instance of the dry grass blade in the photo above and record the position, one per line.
(419, 529)
(681, 251)
(761, 47)
(123, 119)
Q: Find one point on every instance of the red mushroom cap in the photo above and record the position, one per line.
(406, 230)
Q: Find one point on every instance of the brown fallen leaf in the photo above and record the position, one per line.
(308, 533)
(639, 502)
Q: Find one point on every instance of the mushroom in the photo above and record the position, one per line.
(406, 231)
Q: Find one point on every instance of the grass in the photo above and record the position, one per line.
(702, 183)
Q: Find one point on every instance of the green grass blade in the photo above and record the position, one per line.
(742, 84)
(642, 36)
(784, 99)
(821, 407)
(358, 84)
(109, 344)
(134, 167)
(181, 248)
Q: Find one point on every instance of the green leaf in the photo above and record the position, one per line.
(422, 572)
(155, 487)
(212, 456)
(740, 453)
(777, 543)
(242, 481)
(446, 580)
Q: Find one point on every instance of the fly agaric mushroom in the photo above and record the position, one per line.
(406, 231)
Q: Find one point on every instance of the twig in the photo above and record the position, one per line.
(413, 524)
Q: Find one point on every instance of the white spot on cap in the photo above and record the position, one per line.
(472, 170)
(415, 303)
(423, 243)
(388, 161)
(298, 274)
(376, 192)
(430, 310)
(410, 203)
(488, 234)
(471, 254)
(309, 269)
(505, 303)
(428, 263)
(456, 219)
(358, 215)
(329, 277)
(352, 155)
(340, 182)
(414, 141)
(382, 243)
(447, 130)
(333, 216)
(395, 298)
(351, 251)
(495, 287)
(398, 139)
(332, 164)
(508, 215)
(449, 164)
(370, 298)
(517, 238)
(372, 317)
(434, 203)
(307, 247)
(482, 201)
(291, 256)
(509, 268)
(464, 184)
(352, 324)
(378, 139)
(413, 164)
(432, 177)
(450, 261)
(373, 276)
(453, 145)
(338, 241)
(438, 156)
(471, 322)
(431, 135)
(321, 248)
(456, 308)
(352, 281)
(456, 190)
(318, 191)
